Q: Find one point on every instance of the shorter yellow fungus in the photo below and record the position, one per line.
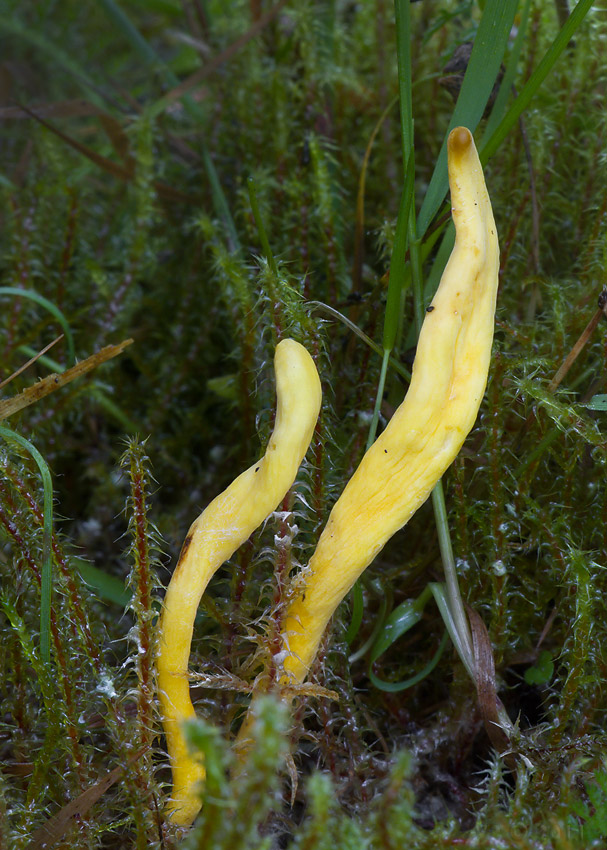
(222, 527)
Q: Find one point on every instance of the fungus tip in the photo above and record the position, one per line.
(460, 140)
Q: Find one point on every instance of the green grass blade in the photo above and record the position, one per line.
(107, 587)
(357, 613)
(501, 102)
(384, 604)
(399, 622)
(46, 579)
(464, 652)
(454, 596)
(536, 79)
(396, 284)
(396, 687)
(41, 671)
(403, 55)
(331, 311)
(402, 619)
(378, 399)
(403, 52)
(52, 309)
(481, 74)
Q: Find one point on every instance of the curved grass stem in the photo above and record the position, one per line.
(46, 579)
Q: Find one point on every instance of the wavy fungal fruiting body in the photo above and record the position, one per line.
(425, 434)
(222, 527)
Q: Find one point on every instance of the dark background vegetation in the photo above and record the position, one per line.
(130, 211)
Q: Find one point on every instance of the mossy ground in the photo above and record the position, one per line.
(135, 221)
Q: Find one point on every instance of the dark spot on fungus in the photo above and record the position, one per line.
(184, 549)
(430, 308)
(385, 451)
(256, 469)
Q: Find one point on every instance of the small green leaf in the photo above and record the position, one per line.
(225, 386)
(597, 402)
(403, 618)
(400, 621)
(542, 671)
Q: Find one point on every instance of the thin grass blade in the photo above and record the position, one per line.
(535, 80)
(396, 284)
(479, 79)
(52, 309)
(46, 584)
